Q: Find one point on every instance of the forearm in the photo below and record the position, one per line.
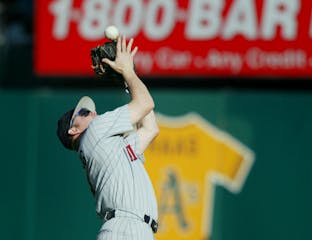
(138, 91)
(141, 99)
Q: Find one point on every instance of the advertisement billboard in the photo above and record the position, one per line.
(257, 38)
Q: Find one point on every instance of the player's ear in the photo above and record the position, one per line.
(74, 131)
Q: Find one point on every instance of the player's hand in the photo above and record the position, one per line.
(123, 63)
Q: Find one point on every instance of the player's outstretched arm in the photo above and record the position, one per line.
(147, 131)
(141, 101)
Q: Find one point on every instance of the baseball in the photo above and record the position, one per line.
(111, 33)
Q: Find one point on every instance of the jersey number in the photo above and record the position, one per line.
(131, 153)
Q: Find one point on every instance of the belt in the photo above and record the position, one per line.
(147, 219)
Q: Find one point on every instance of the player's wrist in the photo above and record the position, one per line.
(129, 74)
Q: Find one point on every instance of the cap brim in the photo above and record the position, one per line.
(84, 102)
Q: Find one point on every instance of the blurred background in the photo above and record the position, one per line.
(231, 82)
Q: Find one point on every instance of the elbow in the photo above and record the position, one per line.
(150, 105)
(147, 106)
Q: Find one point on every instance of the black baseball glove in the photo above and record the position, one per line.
(103, 70)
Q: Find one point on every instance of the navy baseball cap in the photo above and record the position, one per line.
(63, 123)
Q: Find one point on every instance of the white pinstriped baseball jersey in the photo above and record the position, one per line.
(114, 168)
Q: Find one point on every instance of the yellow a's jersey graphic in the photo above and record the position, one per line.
(185, 161)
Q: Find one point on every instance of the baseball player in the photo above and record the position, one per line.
(111, 147)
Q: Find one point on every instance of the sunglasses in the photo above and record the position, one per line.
(82, 112)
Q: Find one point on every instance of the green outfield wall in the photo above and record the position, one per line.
(45, 196)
